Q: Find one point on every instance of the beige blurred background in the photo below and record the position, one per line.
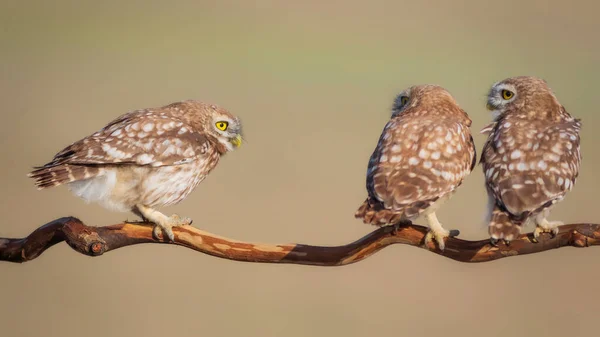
(313, 83)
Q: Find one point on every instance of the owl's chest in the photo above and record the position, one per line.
(171, 184)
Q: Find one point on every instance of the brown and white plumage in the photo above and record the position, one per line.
(531, 158)
(424, 153)
(145, 159)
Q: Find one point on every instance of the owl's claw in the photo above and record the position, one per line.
(438, 232)
(396, 226)
(494, 242)
(551, 228)
(172, 221)
(545, 226)
(536, 234)
(438, 236)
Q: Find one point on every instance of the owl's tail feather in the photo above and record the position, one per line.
(54, 175)
(372, 212)
(502, 227)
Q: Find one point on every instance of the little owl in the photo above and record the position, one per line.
(424, 153)
(146, 159)
(531, 157)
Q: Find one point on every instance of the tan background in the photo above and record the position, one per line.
(313, 84)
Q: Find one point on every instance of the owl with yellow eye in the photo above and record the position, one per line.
(145, 159)
(531, 158)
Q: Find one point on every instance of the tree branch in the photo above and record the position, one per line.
(95, 241)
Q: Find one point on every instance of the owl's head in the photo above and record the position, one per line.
(218, 124)
(426, 99)
(515, 93)
(224, 127)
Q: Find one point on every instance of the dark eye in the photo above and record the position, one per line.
(222, 125)
(403, 100)
(507, 94)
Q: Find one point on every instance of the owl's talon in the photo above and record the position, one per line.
(438, 237)
(537, 232)
(506, 242)
(396, 228)
(546, 227)
(436, 231)
(494, 242)
(173, 221)
(181, 221)
(454, 233)
(156, 231)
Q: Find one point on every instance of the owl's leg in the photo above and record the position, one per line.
(437, 231)
(162, 221)
(545, 226)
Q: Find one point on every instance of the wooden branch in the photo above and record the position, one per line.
(95, 241)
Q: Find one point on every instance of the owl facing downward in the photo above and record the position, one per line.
(424, 153)
(146, 159)
(531, 157)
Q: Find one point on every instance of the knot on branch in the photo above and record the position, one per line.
(97, 248)
(82, 238)
(585, 236)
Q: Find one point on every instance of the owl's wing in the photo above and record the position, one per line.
(529, 170)
(139, 137)
(419, 161)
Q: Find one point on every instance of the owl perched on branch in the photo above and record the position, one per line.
(424, 153)
(146, 159)
(531, 157)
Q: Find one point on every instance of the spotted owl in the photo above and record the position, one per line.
(531, 157)
(424, 153)
(145, 159)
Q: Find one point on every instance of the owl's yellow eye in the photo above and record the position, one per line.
(403, 100)
(507, 94)
(222, 125)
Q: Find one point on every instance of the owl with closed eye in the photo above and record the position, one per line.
(531, 158)
(423, 155)
(146, 159)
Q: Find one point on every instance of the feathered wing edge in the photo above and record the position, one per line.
(58, 174)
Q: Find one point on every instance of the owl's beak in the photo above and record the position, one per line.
(490, 107)
(237, 141)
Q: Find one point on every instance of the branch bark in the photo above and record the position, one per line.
(95, 241)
